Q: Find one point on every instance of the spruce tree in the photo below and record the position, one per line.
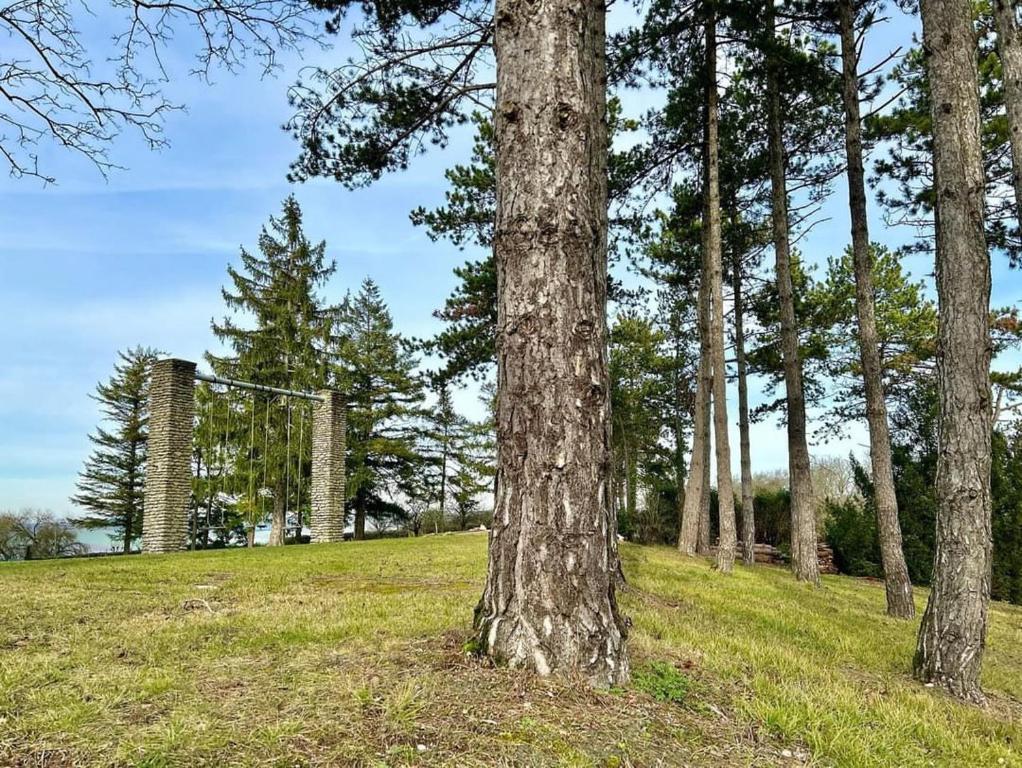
(284, 345)
(111, 485)
(375, 367)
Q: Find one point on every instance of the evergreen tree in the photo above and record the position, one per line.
(279, 336)
(641, 390)
(952, 634)
(444, 431)
(375, 367)
(111, 485)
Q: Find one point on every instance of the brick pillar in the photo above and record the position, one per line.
(168, 477)
(328, 490)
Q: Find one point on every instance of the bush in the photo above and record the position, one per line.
(851, 531)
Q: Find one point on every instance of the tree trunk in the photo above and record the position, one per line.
(277, 520)
(704, 542)
(360, 523)
(896, 580)
(1009, 51)
(250, 536)
(748, 499)
(443, 484)
(804, 561)
(692, 512)
(727, 543)
(679, 440)
(549, 603)
(952, 635)
(631, 484)
(128, 525)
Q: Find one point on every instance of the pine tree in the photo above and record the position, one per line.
(952, 634)
(111, 485)
(899, 588)
(375, 367)
(444, 431)
(285, 346)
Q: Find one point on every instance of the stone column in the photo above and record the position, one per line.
(168, 477)
(328, 425)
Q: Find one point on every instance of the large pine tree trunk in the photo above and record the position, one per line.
(804, 560)
(727, 542)
(1009, 51)
(896, 580)
(689, 538)
(748, 499)
(549, 603)
(952, 635)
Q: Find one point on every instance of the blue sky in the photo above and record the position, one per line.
(91, 266)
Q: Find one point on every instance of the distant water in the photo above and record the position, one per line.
(98, 539)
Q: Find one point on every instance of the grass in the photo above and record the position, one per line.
(353, 654)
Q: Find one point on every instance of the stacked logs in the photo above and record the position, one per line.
(771, 555)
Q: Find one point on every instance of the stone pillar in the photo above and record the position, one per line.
(328, 425)
(168, 477)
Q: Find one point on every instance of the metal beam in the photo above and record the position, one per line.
(211, 379)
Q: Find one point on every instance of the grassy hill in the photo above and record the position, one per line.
(352, 654)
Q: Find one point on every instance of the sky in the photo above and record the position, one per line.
(90, 266)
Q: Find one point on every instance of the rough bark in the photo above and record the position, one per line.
(896, 580)
(1009, 51)
(727, 541)
(748, 499)
(693, 528)
(803, 521)
(250, 536)
(952, 635)
(549, 603)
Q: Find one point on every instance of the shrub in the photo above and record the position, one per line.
(852, 533)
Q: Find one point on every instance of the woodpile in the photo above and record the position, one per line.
(771, 555)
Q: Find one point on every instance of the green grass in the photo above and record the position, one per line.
(353, 654)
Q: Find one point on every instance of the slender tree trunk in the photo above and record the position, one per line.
(443, 483)
(748, 499)
(132, 514)
(692, 512)
(128, 524)
(727, 543)
(704, 541)
(1009, 51)
(250, 536)
(679, 441)
(952, 635)
(360, 522)
(277, 520)
(896, 580)
(804, 561)
(631, 484)
(549, 603)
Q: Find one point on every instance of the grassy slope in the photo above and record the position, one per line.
(352, 655)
